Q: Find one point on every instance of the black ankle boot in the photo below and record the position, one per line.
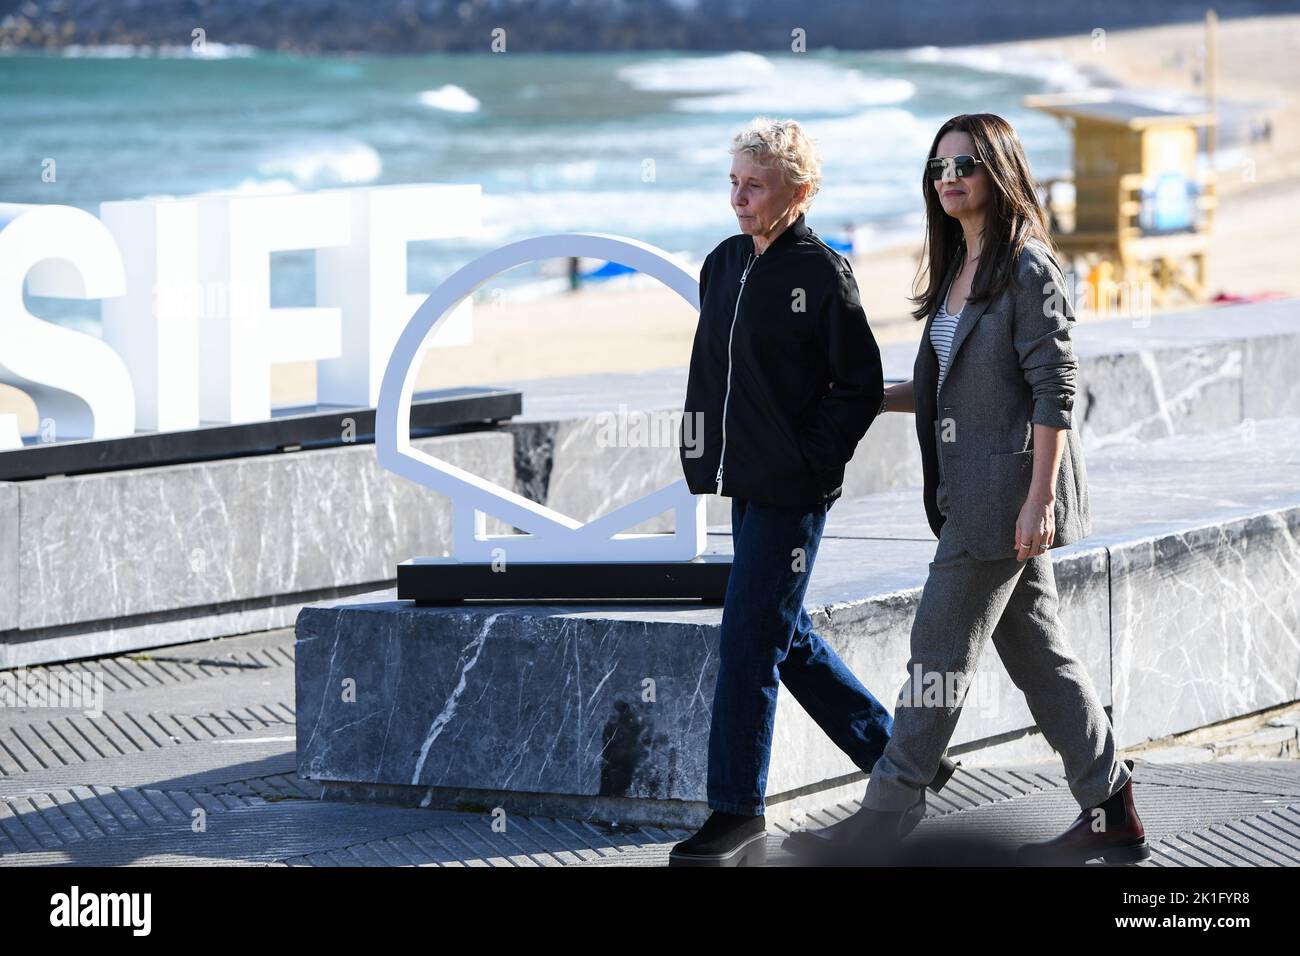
(726, 839)
(943, 774)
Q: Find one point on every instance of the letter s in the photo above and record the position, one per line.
(75, 379)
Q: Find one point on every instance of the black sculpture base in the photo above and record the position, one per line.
(430, 581)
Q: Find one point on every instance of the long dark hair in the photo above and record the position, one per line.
(1013, 214)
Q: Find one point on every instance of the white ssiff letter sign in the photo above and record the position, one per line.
(189, 334)
(174, 356)
(549, 536)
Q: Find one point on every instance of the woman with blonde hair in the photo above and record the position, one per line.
(784, 379)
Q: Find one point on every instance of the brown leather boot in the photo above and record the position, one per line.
(1110, 830)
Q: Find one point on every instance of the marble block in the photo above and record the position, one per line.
(1135, 396)
(1201, 532)
(118, 544)
(8, 555)
(1270, 385)
(119, 636)
(605, 710)
(1206, 624)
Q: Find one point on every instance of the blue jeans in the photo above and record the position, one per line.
(768, 638)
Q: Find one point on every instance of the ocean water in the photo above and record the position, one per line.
(558, 142)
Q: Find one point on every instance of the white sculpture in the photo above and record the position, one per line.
(549, 535)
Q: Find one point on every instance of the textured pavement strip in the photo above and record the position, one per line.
(241, 757)
(186, 663)
(46, 739)
(39, 816)
(211, 725)
(1268, 839)
(1274, 776)
(243, 836)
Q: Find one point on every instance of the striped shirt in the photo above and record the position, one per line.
(941, 332)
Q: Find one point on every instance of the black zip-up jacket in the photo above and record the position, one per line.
(785, 375)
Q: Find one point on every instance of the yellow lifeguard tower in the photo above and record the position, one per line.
(1142, 206)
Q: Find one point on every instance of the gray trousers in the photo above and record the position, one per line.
(964, 602)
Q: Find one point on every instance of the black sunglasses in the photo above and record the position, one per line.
(962, 165)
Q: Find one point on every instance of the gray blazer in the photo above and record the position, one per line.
(1011, 365)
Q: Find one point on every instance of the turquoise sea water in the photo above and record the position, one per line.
(558, 142)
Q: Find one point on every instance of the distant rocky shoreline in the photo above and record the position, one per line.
(426, 26)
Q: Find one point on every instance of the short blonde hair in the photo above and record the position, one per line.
(785, 145)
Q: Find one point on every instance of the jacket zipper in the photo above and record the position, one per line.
(727, 395)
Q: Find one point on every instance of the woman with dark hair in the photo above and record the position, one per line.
(993, 391)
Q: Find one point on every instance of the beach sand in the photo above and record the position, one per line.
(1253, 244)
